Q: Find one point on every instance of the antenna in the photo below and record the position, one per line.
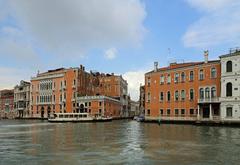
(169, 51)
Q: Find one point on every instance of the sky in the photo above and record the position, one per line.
(124, 37)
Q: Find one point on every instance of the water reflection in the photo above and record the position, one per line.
(117, 142)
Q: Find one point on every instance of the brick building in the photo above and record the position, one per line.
(99, 106)
(55, 91)
(7, 104)
(183, 91)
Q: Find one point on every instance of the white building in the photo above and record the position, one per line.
(22, 99)
(230, 86)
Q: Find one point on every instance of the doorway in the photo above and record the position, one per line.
(206, 112)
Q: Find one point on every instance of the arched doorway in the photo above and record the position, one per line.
(42, 112)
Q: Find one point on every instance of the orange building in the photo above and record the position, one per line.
(53, 91)
(99, 106)
(183, 91)
(116, 87)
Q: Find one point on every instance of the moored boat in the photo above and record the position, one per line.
(77, 117)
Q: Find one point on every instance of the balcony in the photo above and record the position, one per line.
(209, 100)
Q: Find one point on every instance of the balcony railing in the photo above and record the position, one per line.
(209, 100)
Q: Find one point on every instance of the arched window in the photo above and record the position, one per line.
(191, 77)
(168, 96)
(176, 95)
(183, 95)
(201, 75)
(191, 94)
(207, 93)
(213, 92)
(229, 66)
(213, 73)
(229, 89)
(201, 92)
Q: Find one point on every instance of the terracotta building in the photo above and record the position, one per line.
(56, 90)
(116, 87)
(53, 91)
(7, 104)
(99, 106)
(183, 91)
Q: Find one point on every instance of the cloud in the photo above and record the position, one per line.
(110, 53)
(219, 24)
(135, 79)
(10, 76)
(72, 27)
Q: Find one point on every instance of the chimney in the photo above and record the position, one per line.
(155, 66)
(206, 56)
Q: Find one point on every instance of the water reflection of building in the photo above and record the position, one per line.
(7, 104)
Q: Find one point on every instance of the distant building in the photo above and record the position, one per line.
(7, 104)
(22, 99)
(134, 108)
(142, 100)
(230, 85)
(99, 106)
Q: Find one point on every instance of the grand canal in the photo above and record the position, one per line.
(117, 142)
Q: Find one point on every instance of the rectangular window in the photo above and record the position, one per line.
(161, 111)
(182, 111)
(176, 96)
(176, 78)
(191, 76)
(168, 96)
(148, 81)
(168, 112)
(176, 112)
(162, 79)
(229, 112)
(148, 97)
(100, 103)
(161, 96)
(201, 75)
(191, 111)
(148, 112)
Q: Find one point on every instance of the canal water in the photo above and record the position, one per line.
(118, 142)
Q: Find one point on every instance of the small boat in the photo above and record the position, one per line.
(102, 118)
(71, 117)
(139, 118)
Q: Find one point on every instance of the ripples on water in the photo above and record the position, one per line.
(117, 142)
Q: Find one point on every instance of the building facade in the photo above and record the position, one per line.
(116, 87)
(230, 86)
(99, 106)
(7, 104)
(183, 91)
(53, 92)
(142, 100)
(22, 99)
